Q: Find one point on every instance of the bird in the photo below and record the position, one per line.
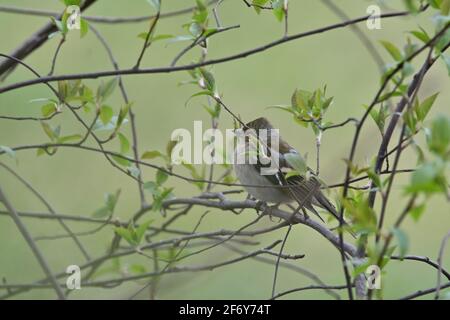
(258, 141)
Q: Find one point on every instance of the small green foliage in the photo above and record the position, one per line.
(393, 50)
(72, 2)
(257, 4)
(106, 114)
(124, 143)
(49, 109)
(402, 240)
(159, 194)
(363, 216)
(105, 89)
(122, 116)
(309, 108)
(429, 178)
(439, 138)
(298, 163)
(161, 177)
(379, 116)
(110, 204)
(153, 154)
(412, 5)
(196, 175)
(417, 211)
(84, 27)
(132, 235)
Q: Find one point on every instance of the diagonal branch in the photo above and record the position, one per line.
(33, 43)
(24, 231)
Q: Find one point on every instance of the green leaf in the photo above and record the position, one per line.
(208, 79)
(445, 7)
(59, 25)
(106, 114)
(72, 137)
(402, 240)
(110, 204)
(257, 4)
(421, 35)
(84, 27)
(121, 161)
(375, 178)
(417, 211)
(152, 187)
(63, 89)
(161, 177)
(411, 6)
(122, 114)
(137, 269)
(439, 140)
(106, 89)
(127, 234)
(428, 178)
(392, 49)
(152, 155)
(49, 131)
(446, 59)
(297, 162)
(72, 2)
(423, 109)
(140, 231)
(49, 109)
(195, 175)
(124, 143)
(101, 213)
(201, 93)
(278, 9)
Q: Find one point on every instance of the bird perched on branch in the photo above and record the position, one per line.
(263, 159)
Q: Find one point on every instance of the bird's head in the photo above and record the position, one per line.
(259, 123)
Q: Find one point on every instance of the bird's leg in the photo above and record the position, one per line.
(261, 206)
(305, 214)
(264, 208)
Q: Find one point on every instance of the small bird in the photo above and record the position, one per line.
(304, 190)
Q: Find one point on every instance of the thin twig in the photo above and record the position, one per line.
(24, 231)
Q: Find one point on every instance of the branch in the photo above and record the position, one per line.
(97, 19)
(34, 42)
(244, 54)
(440, 262)
(24, 231)
(312, 287)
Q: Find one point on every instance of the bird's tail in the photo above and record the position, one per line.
(324, 203)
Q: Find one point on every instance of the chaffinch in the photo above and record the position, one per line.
(289, 185)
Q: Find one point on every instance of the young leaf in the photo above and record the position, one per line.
(423, 109)
(140, 231)
(402, 240)
(48, 109)
(297, 162)
(127, 234)
(106, 89)
(106, 114)
(392, 49)
(161, 177)
(152, 155)
(124, 143)
(84, 27)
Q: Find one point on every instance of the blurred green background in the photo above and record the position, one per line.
(75, 181)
